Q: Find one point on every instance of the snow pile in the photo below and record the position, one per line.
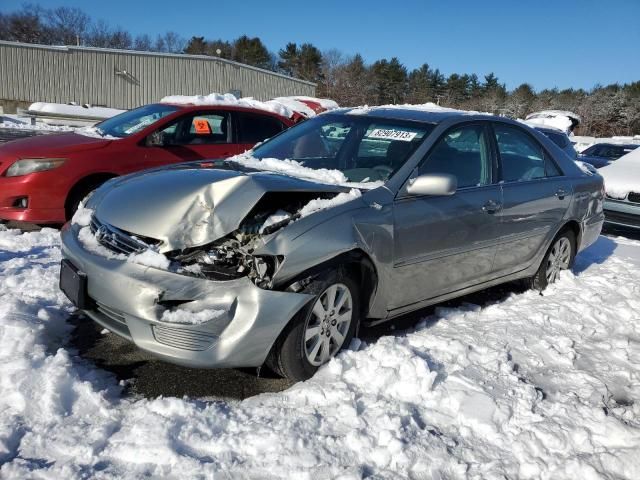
(229, 100)
(296, 169)
(94, 132)
(623, 175)
(325, 103)
(83, 215)
(74, 110)
(323, 203)
(558, 119)
(295, 105)
(11, 123)
(193, 313)
(289, 167)
(150, 258)
(586, 167)
(90, 243)
(279, 216)
(530, 387)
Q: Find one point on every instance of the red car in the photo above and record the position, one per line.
(42, 179)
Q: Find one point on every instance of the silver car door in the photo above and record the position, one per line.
(535, 197)
(442, 244)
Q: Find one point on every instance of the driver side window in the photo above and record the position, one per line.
(464, 153)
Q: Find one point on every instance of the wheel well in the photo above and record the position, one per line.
(575, 228)
(357, 263)
(83, 186)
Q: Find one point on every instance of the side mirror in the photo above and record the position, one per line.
(156, 139)
(434, 184)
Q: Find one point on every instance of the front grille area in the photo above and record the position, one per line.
(622, 218)
(183, 338)
(634, 197)
(119, 241)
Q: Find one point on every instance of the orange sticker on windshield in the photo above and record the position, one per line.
(201, 126)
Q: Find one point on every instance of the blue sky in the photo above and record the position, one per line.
(565, 43)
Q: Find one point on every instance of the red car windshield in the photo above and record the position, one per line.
(132, 121)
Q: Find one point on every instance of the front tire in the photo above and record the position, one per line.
(319, 331)
(560, 256)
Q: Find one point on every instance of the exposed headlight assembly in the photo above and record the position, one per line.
(26, 166)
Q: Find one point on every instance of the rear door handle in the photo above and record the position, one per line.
(491, 207)
(561, 193)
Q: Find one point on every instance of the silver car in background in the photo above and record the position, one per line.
(354, 217)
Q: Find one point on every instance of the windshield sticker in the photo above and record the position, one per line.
(201, 126)
(392, 134)
(140, 125)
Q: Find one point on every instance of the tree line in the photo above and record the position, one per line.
(348, 79)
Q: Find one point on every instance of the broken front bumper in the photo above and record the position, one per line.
(128, 300)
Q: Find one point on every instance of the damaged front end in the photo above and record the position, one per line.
(232, 256)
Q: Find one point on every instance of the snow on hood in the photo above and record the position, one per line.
(94, 132)
(229, 100)
(189, 207)
(296, 169)
(623, 175)
(424, 107)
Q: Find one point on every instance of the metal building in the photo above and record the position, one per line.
(126, 79)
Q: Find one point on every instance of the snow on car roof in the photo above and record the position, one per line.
(325, 103)
(623, 175)
(427, 112)
(229, 100)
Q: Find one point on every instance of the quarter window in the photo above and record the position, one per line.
(521, 156)
(463, 152)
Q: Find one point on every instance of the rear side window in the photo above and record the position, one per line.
(254, 128)
(522, 158)
(464, 153)
(559, 139)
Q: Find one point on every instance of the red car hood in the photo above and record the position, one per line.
(50, 145)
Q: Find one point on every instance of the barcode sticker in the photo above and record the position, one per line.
(392, 134)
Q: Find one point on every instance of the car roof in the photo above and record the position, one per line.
(415, 113)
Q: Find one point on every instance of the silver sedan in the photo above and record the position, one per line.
(355, 217)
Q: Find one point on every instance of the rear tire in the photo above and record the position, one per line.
(320, 330)
(560, 256)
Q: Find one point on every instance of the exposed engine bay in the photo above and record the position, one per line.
(232, 256)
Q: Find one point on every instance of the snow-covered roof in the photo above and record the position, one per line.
(325, 103)
(228, 99)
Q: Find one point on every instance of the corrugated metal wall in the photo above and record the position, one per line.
(89, 75)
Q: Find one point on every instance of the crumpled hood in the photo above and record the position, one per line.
(190, 207)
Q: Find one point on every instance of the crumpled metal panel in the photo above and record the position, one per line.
(190, 207)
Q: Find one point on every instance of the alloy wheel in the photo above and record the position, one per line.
(559, 259)
(328, 324)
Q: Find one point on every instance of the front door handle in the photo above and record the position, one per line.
(561, 193)
(491, 207)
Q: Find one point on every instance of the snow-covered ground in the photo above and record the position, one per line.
(530, 387)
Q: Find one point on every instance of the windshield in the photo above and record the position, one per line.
(133, 121)
(364, 149)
